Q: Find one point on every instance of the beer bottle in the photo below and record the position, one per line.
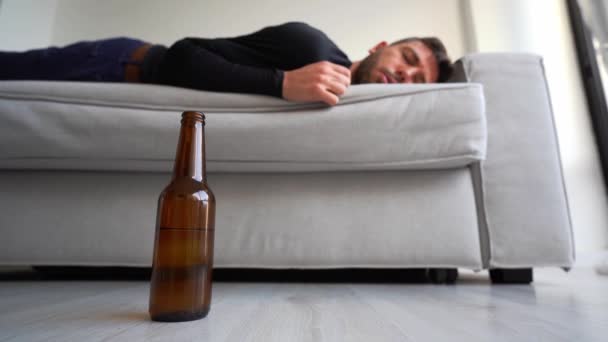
(180, 288)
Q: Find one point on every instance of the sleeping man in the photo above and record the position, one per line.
(293, 61)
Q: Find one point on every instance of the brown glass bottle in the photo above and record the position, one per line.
(180, 288)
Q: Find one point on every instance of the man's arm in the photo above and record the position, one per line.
(188, 63)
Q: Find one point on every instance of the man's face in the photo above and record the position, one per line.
(409, 62)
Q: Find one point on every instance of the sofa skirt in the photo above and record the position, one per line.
(396, 219)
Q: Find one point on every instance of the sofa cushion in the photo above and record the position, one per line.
(134, 127)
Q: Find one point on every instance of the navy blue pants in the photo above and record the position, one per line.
(101, 61)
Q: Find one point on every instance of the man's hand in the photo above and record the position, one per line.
(321, 81)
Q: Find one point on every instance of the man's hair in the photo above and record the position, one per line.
(441, 55)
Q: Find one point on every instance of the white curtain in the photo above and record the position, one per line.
(595, 15)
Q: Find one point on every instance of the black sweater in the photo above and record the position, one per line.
(251, 64)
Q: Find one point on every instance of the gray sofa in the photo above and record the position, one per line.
(438, 176)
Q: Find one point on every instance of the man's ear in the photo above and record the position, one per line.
(378, 46)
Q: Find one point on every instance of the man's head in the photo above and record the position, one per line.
(410, 60)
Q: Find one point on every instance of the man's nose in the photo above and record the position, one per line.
(408, 74)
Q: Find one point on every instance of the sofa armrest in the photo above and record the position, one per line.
(520, 188)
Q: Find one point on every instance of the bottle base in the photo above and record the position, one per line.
(180, 316)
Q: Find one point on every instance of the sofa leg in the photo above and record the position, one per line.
(511, 275)
(442, 275)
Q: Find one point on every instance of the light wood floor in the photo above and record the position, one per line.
(557, 307)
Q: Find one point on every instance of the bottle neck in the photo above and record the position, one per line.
(190, 155)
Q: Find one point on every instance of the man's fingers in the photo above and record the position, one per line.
(336, 88)
(322, 81)
(328, 97)
(326, 66)
(342, 79)
(341, 70)
(329, 80)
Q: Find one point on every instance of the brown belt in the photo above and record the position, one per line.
(133, 67)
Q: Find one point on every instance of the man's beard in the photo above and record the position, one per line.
(363, 74)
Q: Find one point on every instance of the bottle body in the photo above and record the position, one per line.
(180, 287)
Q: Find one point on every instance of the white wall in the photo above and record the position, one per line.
(26, 24)
(542, 27)
(354, 25)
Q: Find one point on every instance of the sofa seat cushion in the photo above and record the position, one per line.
(134, 127)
